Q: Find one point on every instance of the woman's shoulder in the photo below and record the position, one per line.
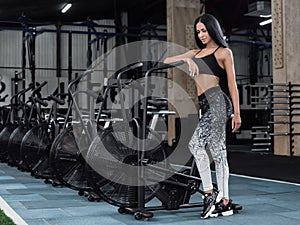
(224, 52)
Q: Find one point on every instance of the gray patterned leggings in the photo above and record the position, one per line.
(209, 139)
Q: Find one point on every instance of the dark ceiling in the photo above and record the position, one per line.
(229, 12)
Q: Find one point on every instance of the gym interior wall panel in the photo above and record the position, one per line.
(111, 39)
(241, 53)
(265, 64)
(10, 48)
(10, 58)
(98, 51)
(64, 39)
(79, 48)
(45, 51)
(10, 51)
(46, 60)
(240, 44)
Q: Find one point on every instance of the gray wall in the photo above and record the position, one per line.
(46, 53)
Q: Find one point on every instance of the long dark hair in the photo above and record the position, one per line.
(213, 28)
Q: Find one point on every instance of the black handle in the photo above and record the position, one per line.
(22, 92)
(2, 99)
(43, 103)
(19, 93)
(128, 68)
(3, 86)
(38, 88)
(77, 79)
(56, 99)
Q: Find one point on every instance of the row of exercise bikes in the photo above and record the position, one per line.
(106, 144)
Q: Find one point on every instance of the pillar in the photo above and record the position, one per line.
(286, 65)
(180, 20)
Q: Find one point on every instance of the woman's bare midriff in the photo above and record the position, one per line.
(205, 82)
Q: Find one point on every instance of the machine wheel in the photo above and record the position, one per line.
(113, 165)
(138, 215)
(68, 161)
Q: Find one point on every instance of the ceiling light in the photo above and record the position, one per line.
(265, 16)
(66, 7)
(265, 22)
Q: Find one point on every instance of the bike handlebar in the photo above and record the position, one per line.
(38, 88)
(56, 99)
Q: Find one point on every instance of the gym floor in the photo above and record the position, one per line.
(274, 199)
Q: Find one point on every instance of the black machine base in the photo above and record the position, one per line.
(145, 213)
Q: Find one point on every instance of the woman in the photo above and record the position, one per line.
(212, 68)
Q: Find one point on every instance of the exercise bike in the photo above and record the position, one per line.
(133, 167)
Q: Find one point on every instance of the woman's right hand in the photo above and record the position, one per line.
(193, 67)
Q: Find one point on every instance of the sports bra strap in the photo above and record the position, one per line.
(209, 54)
(216, 49)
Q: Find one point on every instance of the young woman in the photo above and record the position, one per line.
(212, 68)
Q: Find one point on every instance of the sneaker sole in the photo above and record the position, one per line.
(218, 199)
(209, 212)
(227, 213)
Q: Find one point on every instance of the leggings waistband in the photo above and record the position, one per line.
(210, 93)
(209, 96)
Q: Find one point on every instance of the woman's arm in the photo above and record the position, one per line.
(230, 70)
(186, 57)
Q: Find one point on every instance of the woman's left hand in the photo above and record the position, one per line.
(236, 123)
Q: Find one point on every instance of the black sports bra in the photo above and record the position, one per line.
(209, 65)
